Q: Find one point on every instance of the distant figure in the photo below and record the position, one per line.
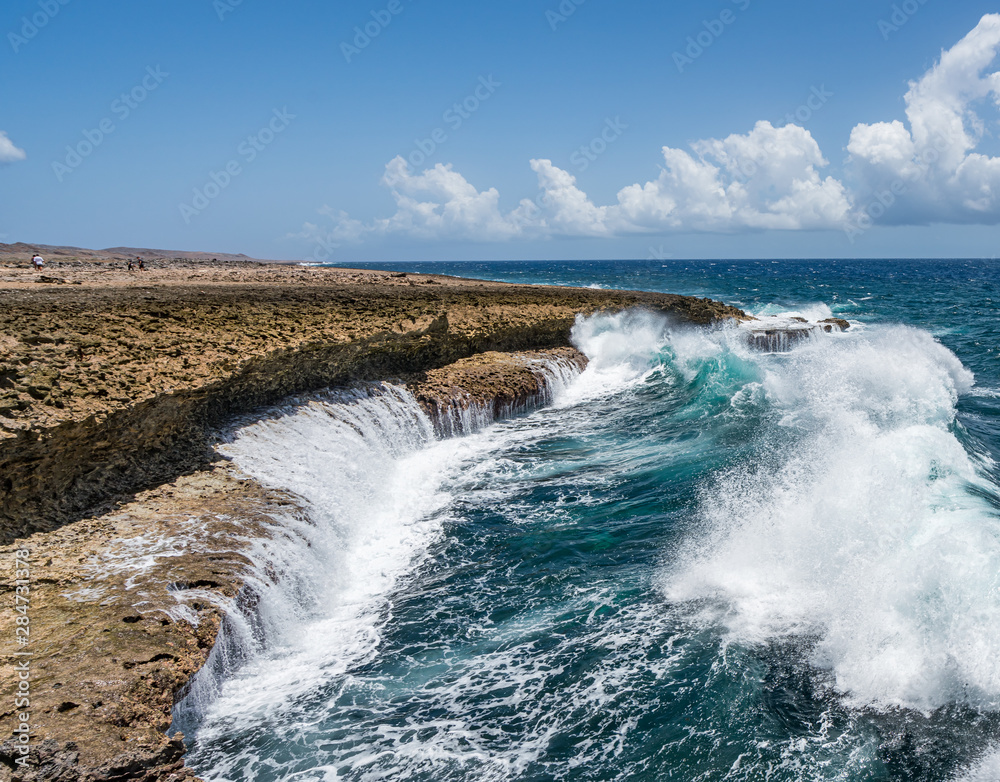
(131, 266)
(142, 266)
(38, 262)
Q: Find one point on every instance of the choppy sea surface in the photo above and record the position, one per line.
(700, 562)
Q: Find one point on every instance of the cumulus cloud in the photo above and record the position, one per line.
(930, 171)
(561, 208)
(767, 178)
(8, 152)
(440, 202)
(915, 172)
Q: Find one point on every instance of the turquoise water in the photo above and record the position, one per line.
(701, 562)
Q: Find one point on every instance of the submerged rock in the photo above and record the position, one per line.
(829, 323)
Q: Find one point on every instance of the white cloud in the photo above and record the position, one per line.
(932, 167)
(441, 203)
(8, 152)
(766, 179)
(561, 207)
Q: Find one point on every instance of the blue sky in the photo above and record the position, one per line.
(582, 130)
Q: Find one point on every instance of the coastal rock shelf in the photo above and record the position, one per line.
(115, 385)
(131, 602)
(112, 393)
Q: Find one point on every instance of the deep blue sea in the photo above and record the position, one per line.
(701, 561)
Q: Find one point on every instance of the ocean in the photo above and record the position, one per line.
(699, 561)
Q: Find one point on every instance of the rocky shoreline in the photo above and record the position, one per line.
(112, 392)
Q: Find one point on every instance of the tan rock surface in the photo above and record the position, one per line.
(124, 608)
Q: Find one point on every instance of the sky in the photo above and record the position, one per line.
(393, 130)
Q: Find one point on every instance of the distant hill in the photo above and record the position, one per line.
(24, 251)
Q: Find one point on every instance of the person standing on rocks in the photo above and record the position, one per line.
(38, 262)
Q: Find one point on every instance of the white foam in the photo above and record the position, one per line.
(812, 312)
(986, 769)
(358, 463)
(622, 350)
(988, 393)
(555, 374)
(858, 530)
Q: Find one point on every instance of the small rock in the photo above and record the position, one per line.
(842, 324)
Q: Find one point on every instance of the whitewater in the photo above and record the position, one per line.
(696, 560)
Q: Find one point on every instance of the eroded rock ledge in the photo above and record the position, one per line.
(474, 391)
(126, 601)
(125, 608)
(108, 390)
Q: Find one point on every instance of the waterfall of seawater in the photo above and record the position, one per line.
(365, 465)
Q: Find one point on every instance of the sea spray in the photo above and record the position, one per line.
(576, 612)
(622, 350)
(861, 526)
(592, 502)
(986, 769)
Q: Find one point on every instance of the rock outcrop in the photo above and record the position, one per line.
(472, 392)
(778, 334)
(125, 608)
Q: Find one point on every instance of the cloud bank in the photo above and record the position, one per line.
(8, 152)
(922, 171)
